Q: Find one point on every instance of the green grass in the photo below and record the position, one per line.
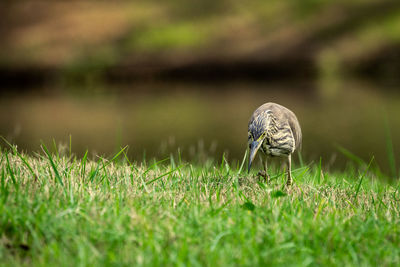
(58, 210)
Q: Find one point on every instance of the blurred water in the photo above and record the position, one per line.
(203, 120)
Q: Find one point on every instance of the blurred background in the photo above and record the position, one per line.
(163, 75)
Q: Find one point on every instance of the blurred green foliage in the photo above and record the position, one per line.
(87, 37)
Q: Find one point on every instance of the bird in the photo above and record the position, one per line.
(276, 130)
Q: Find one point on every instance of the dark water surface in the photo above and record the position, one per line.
(203, 120)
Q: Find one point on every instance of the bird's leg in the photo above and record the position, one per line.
(267, 179)
(264, 173)
(289, 180)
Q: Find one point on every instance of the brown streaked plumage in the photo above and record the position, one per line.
(276, 130)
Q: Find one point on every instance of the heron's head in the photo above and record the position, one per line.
(255, 140)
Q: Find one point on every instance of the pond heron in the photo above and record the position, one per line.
(276, 130)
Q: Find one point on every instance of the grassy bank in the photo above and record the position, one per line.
(56, 209)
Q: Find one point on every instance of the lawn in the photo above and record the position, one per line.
(60, 210)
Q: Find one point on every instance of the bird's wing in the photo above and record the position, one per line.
(283, 115)
(296, 130)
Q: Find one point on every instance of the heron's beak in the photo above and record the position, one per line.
(254, 146)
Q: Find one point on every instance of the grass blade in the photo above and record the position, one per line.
(94, 173)
(153, 165)
(119, 153)
(21, 157)
(389, 150)
(350, 155)
(83, 163)
(243, 162)
(362, 178)
(162, 175)
(70, 146)
(300, 158)
(4, 187)
(115, 157)
(56, 149)
(53, 165)
(10, 171)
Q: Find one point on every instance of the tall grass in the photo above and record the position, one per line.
(390, 151)
(56, 209)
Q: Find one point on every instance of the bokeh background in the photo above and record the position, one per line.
(166, 75)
